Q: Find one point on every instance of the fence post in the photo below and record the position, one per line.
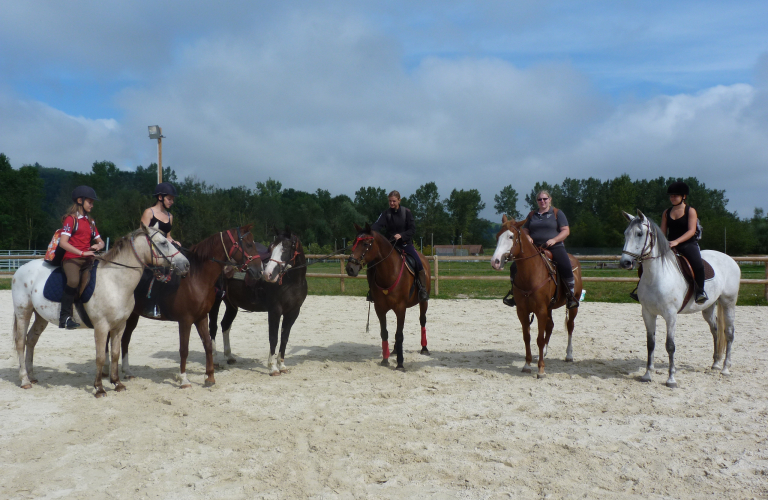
(341, 271)
(766, 277)
(437, 277)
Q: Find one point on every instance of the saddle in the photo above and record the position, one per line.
(687, 271)
(54, 285)
(410, 262)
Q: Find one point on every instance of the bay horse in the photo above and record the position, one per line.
(108, 309)
(280, 293)
(537, 292)
(662, 292)
(190, 303)
(392, 287)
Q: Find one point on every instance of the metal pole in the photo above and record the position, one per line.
(437, 277)
(160, 159)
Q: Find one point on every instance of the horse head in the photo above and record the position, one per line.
(241, 249)
(637, 240)
(160, 252)
(505, 242)
(365, 243)
(284, 249)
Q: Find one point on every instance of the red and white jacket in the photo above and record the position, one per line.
(84, 233)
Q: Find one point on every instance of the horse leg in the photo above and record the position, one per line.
(213, 327)
(273, 318)
(226, 327)
(184, 329)
(114, 372)
(570, 316)
(711, 318)
(289, 319)
(522, 314)
(382, 315)
(543, 322)
(33, 335)
(650, 327)
(100, 334)
(399, 337)
(727, 312)
(423, 322)
(125, 340)
(671, 323)
(205, 336)
(20, 326)
(548, 335)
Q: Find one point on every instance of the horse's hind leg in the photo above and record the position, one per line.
(289, 319)
(399, 337)
(273, 318)
(544, 322)
(650, 327)
(670, 344)
(226, 327)
(726, 322)
(382, 315)
(205, 336)
(114, 371)
(570, 317)
(33, 335)
(711, 318)
(125, 341)
(423, 321)
(20, 325)
(100, 334)
(522, 314)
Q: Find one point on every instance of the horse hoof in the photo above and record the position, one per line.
(231, 361)
(186, 386)
(541, 375)
(384, 362)
(672, 385)
(275, 373)
(26, 386)
(209, 383)
(120, 388)
(285, 370)
(569, 360)
(725, 371)
(129, 377)
(425, 351)
(400, 368)
(101, 393)
(526, 369)
(33, 380)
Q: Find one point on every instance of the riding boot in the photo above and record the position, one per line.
(368, 296)
(421, 284)
(509, 298)
(65, 317)
(572, 301)
(701, 295)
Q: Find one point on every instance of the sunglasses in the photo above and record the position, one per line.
(542, 199)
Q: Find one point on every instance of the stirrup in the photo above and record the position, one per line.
(368, 296)
(69, 324)
(701, 297)
(509, 299)
(633, 295)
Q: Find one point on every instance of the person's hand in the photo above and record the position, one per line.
(550, 242)
(87, 253)
(96, 246)
(397, 237)
(673, 244)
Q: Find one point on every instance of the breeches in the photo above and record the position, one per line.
(411, 250)
(71, 269)
(692, 252)
(562, 262)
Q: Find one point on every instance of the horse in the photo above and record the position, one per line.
(108, 309)
(190, 303)
(662, 292)
(537, 291)
(280, 293)
(392, 288)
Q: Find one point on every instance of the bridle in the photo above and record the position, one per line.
(236, 245)
(366, 246)
(650, 241)
(516, 239)
(156, 255)
(285, 265)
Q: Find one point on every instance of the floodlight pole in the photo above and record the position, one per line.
(156, 132)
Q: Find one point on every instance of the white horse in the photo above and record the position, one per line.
(662, 290)
(109, 307)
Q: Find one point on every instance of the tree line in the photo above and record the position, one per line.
(33, 198)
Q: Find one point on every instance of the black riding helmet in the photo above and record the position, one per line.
(678, 187)
(164, 189)
(83, 192)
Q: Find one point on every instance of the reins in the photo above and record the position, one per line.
(369, 265)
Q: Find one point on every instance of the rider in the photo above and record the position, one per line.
(681, 221)
(548, 230)
(398, 221)
(77, 234)
(164, 196)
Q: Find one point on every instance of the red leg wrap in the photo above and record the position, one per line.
(423, 336)
(385, 349)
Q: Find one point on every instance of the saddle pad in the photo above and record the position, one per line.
(709, 273)
(410, 264)
(54, 285)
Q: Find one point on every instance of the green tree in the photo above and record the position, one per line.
(506, 202)
(370, 202)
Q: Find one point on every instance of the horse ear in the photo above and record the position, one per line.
(144, 228)
(627, 216)
(357, 227)
(246, 228)
(641, 214)
(504, 219)
(367, 228)
(276, 230)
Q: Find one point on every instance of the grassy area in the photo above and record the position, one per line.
(749, 295)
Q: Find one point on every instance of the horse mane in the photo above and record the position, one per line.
(667, 254)
(205, 250)
(121, 245)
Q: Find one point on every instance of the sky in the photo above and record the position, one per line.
(338, 95)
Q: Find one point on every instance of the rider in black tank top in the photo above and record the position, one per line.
(677, 229)
(165, 227)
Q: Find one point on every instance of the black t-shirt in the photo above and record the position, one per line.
(544, 227)
(398, 221)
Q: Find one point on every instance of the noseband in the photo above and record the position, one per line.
(237, 245)
(366, 247)
(156, 254)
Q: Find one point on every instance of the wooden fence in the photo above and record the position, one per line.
(436, 278)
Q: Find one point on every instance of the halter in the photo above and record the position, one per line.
(237, 245)
(285, 266)
(644, 254)
(155, 256)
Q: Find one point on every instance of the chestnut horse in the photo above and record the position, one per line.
(536, 291)
(392, 287)
(280, 293)
(190, 303)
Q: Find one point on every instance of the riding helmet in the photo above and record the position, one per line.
(678, 187)
(84, 192)
(165, 188)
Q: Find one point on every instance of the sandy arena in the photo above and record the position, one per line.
(463, 423)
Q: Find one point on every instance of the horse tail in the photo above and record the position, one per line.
(722, 343)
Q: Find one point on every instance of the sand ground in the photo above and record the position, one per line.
(462, 423)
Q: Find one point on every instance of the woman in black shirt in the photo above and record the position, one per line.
(158, 215)
(679, 224)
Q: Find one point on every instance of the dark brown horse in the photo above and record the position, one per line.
(190, 303)
(392, 286)
(281, 293)
(536, 289)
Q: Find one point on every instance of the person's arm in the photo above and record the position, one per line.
(664, 223)
(146, 217)
(168, 236)
(692, 218)
(561, 236)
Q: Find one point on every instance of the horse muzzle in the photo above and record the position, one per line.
(627, 262)
(353, 267)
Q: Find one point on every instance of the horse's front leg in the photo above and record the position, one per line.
(289, 319)
(541, 340)
(116, 335)
(184, 329)
(650, 327)
(399, 337)
(100, 333)
(20, 326)
(570, 317)
(671, 322)
(205, 336)
(125, 341)
(423, 322)
(273, 318)
(522, 314)
(381, 313)
(230, 313)
(32, 337)
(711, 318)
